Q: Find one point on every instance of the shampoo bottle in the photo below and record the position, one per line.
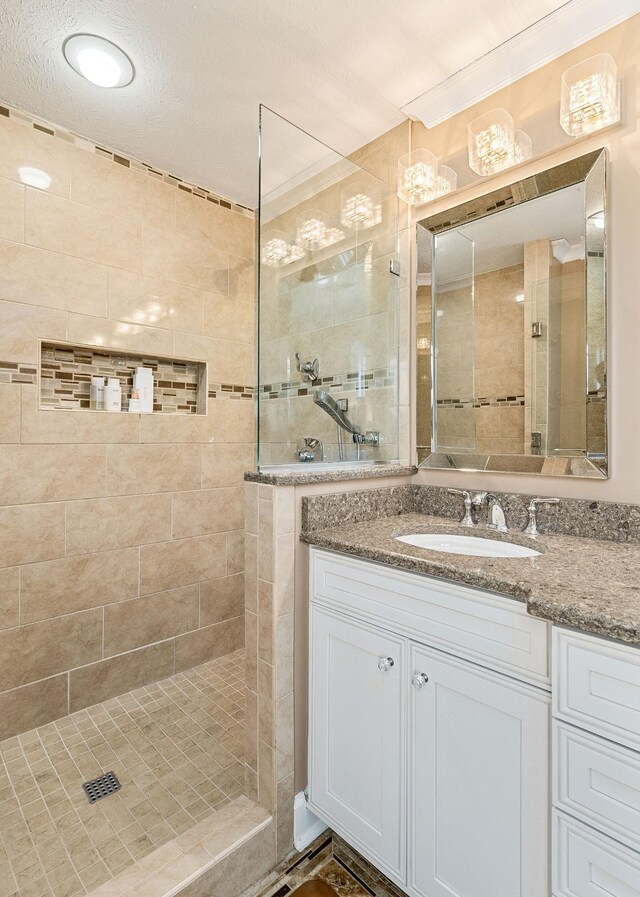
(113, 395)
(134, 401)
(143, 382)
(96, 394)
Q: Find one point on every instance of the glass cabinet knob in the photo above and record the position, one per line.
(419, 680)
(385, 664)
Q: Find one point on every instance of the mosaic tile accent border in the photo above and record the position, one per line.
(66, 371)
(16, 372)
(374, 379)
(231, 391)
(83, 143)
(482, 402)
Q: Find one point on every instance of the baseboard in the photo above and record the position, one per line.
(306, 825)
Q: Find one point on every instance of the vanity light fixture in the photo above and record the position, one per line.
(314, 233)
(360, 207)
(417, 173)
(278, 252)
(494, 143)
(422, 179)
(446, 182)
(98, 60)
(590, 96)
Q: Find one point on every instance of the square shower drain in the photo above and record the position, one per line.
(103, 786)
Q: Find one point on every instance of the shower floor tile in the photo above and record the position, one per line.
(176, 747)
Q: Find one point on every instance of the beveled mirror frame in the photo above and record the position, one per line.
(592, 462)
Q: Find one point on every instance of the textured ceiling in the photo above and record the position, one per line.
(340, 69)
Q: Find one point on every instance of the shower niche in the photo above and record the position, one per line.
(328, 341)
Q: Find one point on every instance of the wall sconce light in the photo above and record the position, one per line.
(277, 252)
(590, 98)
(422, 179)
(360, 207)
(314, 233)
(495, 144)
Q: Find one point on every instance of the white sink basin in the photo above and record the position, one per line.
(474, 546)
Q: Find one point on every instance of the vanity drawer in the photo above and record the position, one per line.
(587, 864)
(596, 685)
(491, 629)
(598, 782)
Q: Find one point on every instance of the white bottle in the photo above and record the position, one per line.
(113, 395)
(143, 382)
(96, 394)
(134, 401)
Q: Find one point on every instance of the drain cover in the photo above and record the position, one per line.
(103, 786)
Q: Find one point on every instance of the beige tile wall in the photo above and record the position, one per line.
(271, 537)
(121, 553)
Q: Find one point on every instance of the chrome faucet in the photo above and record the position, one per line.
(466, 519)
(531, 529)
(495, 512)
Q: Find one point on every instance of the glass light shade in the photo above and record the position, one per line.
(491, 142)
(446, 181)
(314, 232)
(277, 251)
(522, 147)
(360, 206)
(417, 174)
(590, 98)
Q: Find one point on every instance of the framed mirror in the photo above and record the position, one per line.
(511, 327)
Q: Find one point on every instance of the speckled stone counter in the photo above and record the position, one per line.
(306, 474)
(590, 584)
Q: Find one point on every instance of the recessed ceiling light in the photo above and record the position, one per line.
(98, 60)
(34, 177)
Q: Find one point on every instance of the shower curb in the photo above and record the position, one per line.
(226, 853)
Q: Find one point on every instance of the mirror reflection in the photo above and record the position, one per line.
(511, 332)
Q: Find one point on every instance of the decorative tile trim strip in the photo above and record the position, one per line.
(82, 142)
(14, 372)
(66, 371)
(231, 391)
(375, 379)
(482, 402)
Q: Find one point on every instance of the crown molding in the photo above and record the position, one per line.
(574, 23)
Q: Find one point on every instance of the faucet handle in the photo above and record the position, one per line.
(531, 529)
(466, 519)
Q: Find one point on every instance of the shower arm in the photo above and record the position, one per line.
(328, 404)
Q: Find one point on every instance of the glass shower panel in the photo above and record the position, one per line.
(327, 304)
(454, 427)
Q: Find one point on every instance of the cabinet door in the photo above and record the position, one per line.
(357, 722)
(479, 809)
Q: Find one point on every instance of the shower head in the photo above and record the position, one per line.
(322, 398)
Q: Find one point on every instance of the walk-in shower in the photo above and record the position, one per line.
(327, 302)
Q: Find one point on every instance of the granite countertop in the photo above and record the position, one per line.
(586, 583)
(305, 473)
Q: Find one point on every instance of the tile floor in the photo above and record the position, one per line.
(177, 748)
(334, 862)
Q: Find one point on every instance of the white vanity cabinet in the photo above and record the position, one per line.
(357, 726)
(596, 767)
(432, 766)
